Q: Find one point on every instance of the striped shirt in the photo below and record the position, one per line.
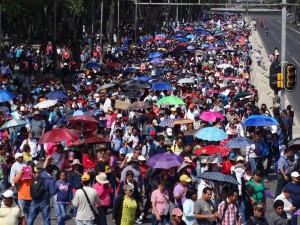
(230, 215)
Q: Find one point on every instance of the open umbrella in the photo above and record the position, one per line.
(212, 48)
(82, 112)
(5, 96)
(153, 55)
(242, 94)
(294, 144)
(156, 61)
(190, 48)
(190, 36)
(186, 81)
(165, 161)
(58, 135)
(260, 120)
(238, 142)
(92, 140)
(95, 66)
(218, 177)
(167, 123)
(45, 104)
(136, 85)
(56, 95)
(161, 85)
(105, 86)
(130, 70)
(182, 121)
(211, 134)
(172, 100)
(13, 123)
(83, 119)
(208, 150)
(144, 78)
(139, 105)
(191, 132)
(211, 116)
(224, 66)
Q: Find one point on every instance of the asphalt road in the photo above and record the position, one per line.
(273, 22)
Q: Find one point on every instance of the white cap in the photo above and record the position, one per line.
(295, 174)
(141, 158)
(119, 116)
(8, 194)
(155, 122)
(22, 108)
(18, 155)
(169, 132)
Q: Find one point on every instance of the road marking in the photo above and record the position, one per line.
(296, 61)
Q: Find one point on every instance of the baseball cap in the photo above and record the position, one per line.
(240, 158)
(18, 155)
(85, 177)
(155, 122)
(8, 194)
(295, 174)
(169, 132)
(185, 178)
(123, 151)
(177, 212)
(232, 156)
(258, 207)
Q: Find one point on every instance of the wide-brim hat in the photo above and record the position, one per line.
(102, 178)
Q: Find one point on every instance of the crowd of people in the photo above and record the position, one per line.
(138, 148)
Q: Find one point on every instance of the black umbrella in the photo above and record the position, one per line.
(139, 105)
(219, 177)
(136, 85)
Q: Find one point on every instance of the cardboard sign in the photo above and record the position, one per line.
(122, 105)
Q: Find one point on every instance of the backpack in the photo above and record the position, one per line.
(258, 149)
(37, 189)
(226, 207)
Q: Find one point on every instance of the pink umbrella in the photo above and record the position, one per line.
(211, 116)
(162, 38)
(189, 29)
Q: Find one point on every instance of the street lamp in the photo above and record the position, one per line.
(101, 36)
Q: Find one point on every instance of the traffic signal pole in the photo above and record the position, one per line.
(283, 49)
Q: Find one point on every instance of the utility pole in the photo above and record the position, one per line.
(0, 26)
(101, 36)
(118, 26)
(283, 49)
(135, 20)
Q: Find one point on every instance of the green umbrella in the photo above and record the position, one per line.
(13, 123)
(171, 100)
(242, 94)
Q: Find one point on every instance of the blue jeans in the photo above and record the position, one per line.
(163, 220)
(36, 207)
(73, 210)
(55, 206)
(61, 213)
(252, 162)
(25, 205)
(2, 188)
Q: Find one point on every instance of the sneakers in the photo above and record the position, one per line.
(138, 221)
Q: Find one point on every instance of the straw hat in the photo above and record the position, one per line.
(102, 178)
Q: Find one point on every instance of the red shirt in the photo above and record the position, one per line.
(226, 166)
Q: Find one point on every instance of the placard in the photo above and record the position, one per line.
(122, 105)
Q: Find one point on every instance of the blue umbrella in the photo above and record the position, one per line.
(156, 61)
(163, 44)
(162, 35)
(167, 123)
(238, 142)
(204, 45)
(211, 134)
(123, 48)
(56, 95)
(181, 39)
(179, 35)
(154, 55)
(162, 85)
(5, 96)
(95, 66)
(260, 120)
(146, 79)
(130, 70)
(190, 48)
(190, 36)
(212, 48)
(145, 38)
(82, 112)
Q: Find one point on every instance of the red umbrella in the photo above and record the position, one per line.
(114, 64)
(208, 150)
(182, 44)
(211, 116)
(83, 119)
(92, 140)
(58, 135)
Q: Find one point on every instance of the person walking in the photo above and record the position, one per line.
(188, 207)
(278, 216)
(258, 216)
(229, 209)
(85, 200)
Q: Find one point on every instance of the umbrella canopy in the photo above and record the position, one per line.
(105, 86)
(83, 119)
(208, 150)
(58, 135)
(165, 161)
(186, 81)
(294, 144)
(212, 48)
(238, 142)
(45, 104)
(172, 100)
(136, 85)
(219, 177)
(211, 116)
(144, 78)
(5, 96)
(139, 105)
(13, 123)
(156, 61)
(154, 55)
(211, 134)
(224, 66)
(56, 95)
(260, 120)
(190, 48)
(130, 70)
(191, 132)
(167, 123)
(161, 85)
(190, 36)
(82, 112)
(91, 140)
(242, 94)
(95, 66)
(182, 121)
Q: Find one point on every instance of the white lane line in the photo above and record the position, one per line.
(296, 61)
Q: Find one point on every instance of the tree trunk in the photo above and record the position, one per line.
(110, 22)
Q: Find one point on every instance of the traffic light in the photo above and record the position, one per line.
(276, 77)
(290, 75)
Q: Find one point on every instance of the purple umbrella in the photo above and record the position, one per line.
(268, 194)
(156, 61)
(179, 35)
(165, 161)
(212, 48)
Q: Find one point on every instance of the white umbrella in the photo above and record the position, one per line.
(45, 104)
(186, 81)
(224, 66)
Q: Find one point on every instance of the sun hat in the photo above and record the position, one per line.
(185, 178)
(240, 158)
(102, 178)
(141, 158)
(18, 155)
(295, 174)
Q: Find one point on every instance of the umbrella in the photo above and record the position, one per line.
(219, 177)
(83, 119)
(172, 100)
(156, 61)
(186, 81)
(162, 85)
(260, 120)
(58, 135)
(211, 134)
(130, 70)
(238, 142)
(182, 44)
(154, 55)
(82, 112)
(182, 121)
(105, 86)
(45, 104)
(144, 78)
(294, 144)
(224, 66)
(114, 64)
(56, 95)
(191, 132)
(131, 94)
(212, 48)
(189, 28)
(190, 48)
(136, 85)
(5, 96)
(211, 116)
(208, 150)
(13, 123)
(165, 161)
(167, 123)
(180, 48)
(190, 36)
(242, 94)
(268, 194)
(95, 66)
(139, 105)
(91, 140)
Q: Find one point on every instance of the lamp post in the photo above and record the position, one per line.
(283, 48)
(118, 26)
(101, 36)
